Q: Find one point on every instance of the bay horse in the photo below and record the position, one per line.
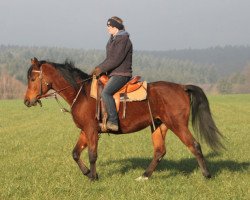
(170, 105)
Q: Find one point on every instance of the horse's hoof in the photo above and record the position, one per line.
(207, 175)
(93, 178)
(142, 178)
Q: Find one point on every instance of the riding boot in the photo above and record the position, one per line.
(112, 127)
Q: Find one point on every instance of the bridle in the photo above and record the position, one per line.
(41, 81)
(54, 94)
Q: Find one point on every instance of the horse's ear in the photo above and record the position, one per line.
(34, 61)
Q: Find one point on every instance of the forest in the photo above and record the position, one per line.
(217, 69)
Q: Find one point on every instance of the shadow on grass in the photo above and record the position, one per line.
(184, 166)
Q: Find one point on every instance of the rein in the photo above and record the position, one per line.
(54, 94)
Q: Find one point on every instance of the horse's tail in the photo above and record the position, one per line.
(202, 120)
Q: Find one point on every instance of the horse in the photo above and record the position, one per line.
(170, 104)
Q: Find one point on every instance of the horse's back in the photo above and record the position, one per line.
(168, 90)
(169, 99)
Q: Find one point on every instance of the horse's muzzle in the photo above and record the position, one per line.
(32, 102)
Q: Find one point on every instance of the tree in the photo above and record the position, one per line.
(224, 86)
(10, 88)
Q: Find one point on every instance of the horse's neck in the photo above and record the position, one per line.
(67, 92)
(70, 94)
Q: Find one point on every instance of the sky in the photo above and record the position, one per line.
(152, 24)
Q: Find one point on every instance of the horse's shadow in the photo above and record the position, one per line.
(184, 166)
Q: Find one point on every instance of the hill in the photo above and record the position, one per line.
(214, 68)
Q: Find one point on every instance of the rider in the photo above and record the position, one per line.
(117, 65)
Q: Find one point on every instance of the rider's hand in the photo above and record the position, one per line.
(97, 71)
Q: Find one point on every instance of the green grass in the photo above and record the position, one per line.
(36, 163)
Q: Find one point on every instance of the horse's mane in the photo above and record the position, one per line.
(68, 70)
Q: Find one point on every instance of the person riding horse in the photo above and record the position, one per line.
(118, 66)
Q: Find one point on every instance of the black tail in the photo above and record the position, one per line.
(202, 120)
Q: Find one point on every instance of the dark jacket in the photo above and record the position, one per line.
(119, 52)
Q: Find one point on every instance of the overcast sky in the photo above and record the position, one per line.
(152, 24)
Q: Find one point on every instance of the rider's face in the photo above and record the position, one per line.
(112, 30)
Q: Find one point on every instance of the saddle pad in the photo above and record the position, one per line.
(93, 89)
(138, 95)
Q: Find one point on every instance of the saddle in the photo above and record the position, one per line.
(129, 87)
(133, 90)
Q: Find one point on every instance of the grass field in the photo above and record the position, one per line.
(36, 162)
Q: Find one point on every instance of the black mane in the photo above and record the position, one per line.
(68, 70)
(70, 73)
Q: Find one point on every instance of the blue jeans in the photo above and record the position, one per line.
(114, 84)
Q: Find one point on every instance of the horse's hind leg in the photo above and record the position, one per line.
(79, 147)
(186, 137)
(158, 138)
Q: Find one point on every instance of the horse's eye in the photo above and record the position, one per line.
(32, 79)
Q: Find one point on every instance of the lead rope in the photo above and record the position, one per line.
(64, 110)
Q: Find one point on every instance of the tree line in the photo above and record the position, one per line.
(216, 69)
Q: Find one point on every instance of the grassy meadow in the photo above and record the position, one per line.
(36, 162)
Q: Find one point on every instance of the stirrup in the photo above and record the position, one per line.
(103, 127)
(112, 127)
(108, 127)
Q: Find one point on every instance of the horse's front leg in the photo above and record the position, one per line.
(80, 146)
(92, 150)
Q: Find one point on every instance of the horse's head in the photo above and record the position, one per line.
(38, 83)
